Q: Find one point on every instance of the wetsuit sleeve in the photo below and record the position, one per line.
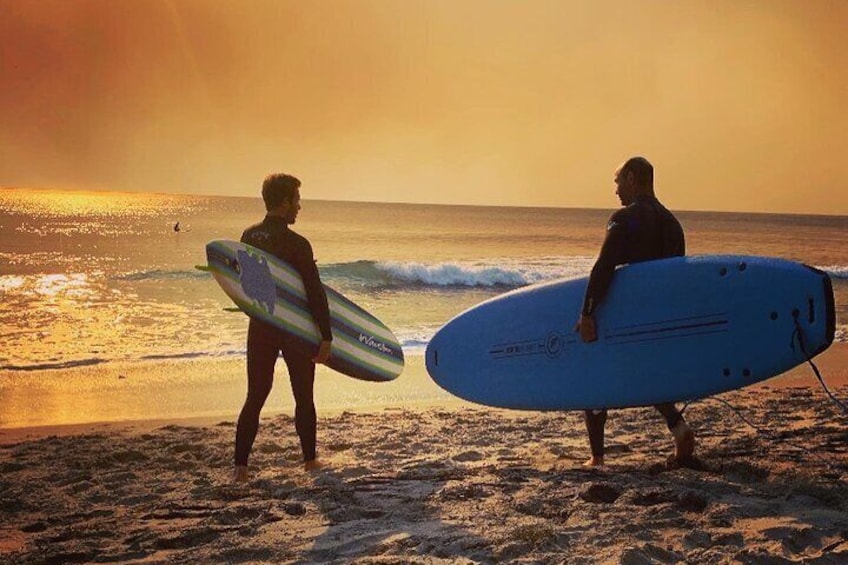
(315, 294)
(612, 254)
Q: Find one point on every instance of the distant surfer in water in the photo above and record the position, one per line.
(643, 230)
(281, 194)
(177, 227)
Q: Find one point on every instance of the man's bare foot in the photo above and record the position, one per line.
(312, 465)
(684, 441)
(594, 461)
(240, 474)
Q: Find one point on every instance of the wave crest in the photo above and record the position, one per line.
(839, 272)
(451, 274)
(507, 273)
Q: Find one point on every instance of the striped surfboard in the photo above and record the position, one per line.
(267, 288)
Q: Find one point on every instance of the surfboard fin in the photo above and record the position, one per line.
(232, 309)
(204, 268)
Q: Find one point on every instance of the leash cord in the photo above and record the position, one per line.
(770, 436)
(800, 336)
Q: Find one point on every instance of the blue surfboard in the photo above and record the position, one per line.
(269, 289)
(669, 330)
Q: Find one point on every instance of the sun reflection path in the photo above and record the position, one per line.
(55, 203)
(64, 286)
(63, 319)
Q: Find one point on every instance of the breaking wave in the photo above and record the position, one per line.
(508, 273)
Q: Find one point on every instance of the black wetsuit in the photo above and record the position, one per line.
(643, 231)
(264, 342)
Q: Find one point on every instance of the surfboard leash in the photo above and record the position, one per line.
(799, 334)
(769, 435)
(760, 431)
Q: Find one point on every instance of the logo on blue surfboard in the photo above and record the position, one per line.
(552, 346)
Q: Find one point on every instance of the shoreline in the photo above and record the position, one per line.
(172, 390)
(227, 374)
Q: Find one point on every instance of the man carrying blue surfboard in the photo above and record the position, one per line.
(281, 194)
(643, 230)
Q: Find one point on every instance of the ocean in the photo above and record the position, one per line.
(104, 318)
(96, 277)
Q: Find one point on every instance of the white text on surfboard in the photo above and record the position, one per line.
(373, 343)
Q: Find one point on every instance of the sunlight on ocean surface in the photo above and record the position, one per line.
(98, 278)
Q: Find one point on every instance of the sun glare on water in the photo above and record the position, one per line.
(90, 204)
(73, 286)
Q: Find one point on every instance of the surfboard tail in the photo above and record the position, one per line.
(830, 311)
(830, 306)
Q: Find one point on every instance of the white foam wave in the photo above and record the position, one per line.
(835, 271)
(414, 340)
(507, 272)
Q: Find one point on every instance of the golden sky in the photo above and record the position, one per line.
(741, 104)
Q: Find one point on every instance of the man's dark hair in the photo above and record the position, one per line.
(277, 188)
(643, 171)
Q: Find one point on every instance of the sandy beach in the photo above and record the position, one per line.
(454, 483)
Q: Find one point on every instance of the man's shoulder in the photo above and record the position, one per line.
(621, 213)
(619, 218)
(258, 234)
(258, 226)
(255, 229)
(297, 239)
(649, 209)
(668, 215)
(299, 244)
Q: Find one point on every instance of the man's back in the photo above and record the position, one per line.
(274, 236)
(645, 230)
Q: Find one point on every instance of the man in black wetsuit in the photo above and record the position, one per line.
(281, 194)
(643, 230)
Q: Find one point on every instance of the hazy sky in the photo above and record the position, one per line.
(740, 104)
